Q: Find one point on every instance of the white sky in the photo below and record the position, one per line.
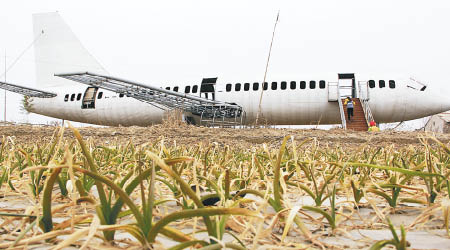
(184, 41)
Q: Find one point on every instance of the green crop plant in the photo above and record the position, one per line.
(399, 243)
(358, 193)
(145, 230)
(395, 187)
(161, 188)
(329, 216)
(276, 201)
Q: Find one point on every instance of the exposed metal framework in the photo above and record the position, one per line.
(162, 98)
(26, 90)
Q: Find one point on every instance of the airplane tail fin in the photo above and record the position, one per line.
(58, 50)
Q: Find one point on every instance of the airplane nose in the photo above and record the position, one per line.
(442, 100)
(445, 106)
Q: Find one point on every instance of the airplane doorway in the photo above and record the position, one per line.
(347, 85)
(89, 98)
(207, 88)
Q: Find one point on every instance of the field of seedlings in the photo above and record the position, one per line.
(185, 187)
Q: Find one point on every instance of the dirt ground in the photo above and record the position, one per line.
(360, 230)
(245, 138)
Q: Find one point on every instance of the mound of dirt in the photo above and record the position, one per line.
(189, 135)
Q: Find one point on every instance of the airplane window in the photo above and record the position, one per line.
(312, 84)
(302, 84)
(293, 84)
(283, 85)
(237, 87)
(322, 84)
(168, 88)
(187, 89)
(274, 85)
(246, 86)
(121, 95)
(79, 96)
(72, 97)
(175, 88)
(66, 97)
(228, 87)
(392, 84)
(194, 89)
(265, 86)
(382, 83)
(100, 95)
(371, 84)
(255, 86)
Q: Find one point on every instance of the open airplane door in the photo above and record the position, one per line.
(207, 88)
(333, 92)
(363, 87)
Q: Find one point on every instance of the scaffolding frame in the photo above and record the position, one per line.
(162, 98)
(26, 91)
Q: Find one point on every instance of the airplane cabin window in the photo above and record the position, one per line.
(187, 89)
(392, 84)
(283, 85)
(322, 84)
(121, 95)
(255, 86)
(228, 87)
(66, 97)
(79, 96)
(293, 84)
(72, 97)
(382, 83)
(168, 88)
(237, 87)
(312, 84)
(274, 86)
(265, 85)
(371, 84)
(302, 84)
(246, 86)
(194, 89)
(175, 88)
(100, 95)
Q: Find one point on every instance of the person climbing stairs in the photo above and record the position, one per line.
(358, 121)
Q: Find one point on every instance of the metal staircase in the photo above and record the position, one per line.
(203, 111)
(358, 121)
(362, 112)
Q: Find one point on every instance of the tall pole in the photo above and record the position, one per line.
(4, 111)
(265, 73)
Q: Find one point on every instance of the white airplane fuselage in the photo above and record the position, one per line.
(278, 107)
(58, 51)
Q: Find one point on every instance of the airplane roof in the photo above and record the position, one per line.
(445, 116)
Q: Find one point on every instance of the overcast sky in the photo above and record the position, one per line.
(184, 41)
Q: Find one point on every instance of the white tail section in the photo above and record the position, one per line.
(58, 50)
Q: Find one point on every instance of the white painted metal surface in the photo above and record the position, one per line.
(281, 106)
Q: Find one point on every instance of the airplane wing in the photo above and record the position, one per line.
(154, 95)
(27, 91)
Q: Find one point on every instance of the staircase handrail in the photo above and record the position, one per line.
(367, 111)
(341, 110)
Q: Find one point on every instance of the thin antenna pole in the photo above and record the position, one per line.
(4, 111)
(265, 73)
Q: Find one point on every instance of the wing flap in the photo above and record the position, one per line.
(27, 91)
